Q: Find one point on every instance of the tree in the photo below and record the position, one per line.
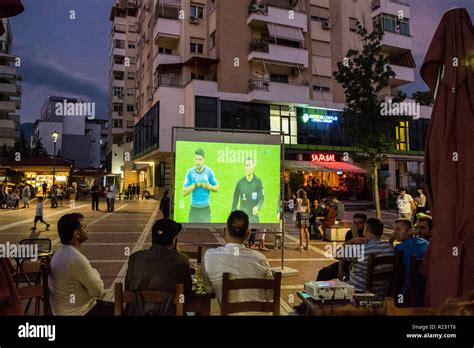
(364, 75)
(22, 147)
(424, 98)
(38, 149)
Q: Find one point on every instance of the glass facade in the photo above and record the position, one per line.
(301, 126)
(320, 127)
(249, 116)
(283, 119)
(206, 112)
(147, 131)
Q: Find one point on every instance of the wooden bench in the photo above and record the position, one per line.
(337, 233)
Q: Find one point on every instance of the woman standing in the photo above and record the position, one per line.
(302, 218)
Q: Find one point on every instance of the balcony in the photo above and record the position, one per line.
(161, 59)
(394, 43)
(118, 67)
(117, 131)
(262, 50)
(117, 114)
(118, 83)
(266, 90)
(167, 29)
(7, 124)
(390, 7)
(117, 98)
(169, 81)
(119, 51)
(9, 89)
(404, 76)
(7, 106)
(8, 70)
(263, 13)
(203, 88)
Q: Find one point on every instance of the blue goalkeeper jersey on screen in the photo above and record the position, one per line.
(200, 197)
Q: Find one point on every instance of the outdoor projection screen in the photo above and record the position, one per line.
(218, 172)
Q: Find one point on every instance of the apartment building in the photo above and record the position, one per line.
(122, 88)
(10, 90)
(79, 138)
(264, 65)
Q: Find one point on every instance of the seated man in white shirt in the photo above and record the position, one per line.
(74, 285)
(236, 259)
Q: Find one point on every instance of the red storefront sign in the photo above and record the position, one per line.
(321, 157)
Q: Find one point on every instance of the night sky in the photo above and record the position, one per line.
(66, 57)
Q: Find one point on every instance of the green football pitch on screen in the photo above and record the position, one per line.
(212, 179)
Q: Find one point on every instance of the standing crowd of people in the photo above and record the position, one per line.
(132, 191)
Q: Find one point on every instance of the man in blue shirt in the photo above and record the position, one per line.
(409, 245)
(200, 181)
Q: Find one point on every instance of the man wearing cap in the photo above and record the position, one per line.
(162, 266)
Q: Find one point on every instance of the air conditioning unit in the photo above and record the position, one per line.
(193, 20)
(326, 25)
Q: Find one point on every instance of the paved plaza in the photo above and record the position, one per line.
(113, 236)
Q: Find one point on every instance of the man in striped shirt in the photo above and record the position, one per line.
(372, 245)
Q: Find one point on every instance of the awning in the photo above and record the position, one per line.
(283, 32)
(304, 166)
(341, 167)
(324, 166)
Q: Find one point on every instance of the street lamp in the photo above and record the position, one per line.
(55, 136)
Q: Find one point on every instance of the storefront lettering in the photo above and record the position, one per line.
(321, 157)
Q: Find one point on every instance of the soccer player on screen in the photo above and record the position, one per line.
(249, 191)
(200, 181)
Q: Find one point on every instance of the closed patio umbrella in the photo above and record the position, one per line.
(9, 8)
(448, 71)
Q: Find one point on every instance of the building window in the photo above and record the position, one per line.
(117, 91)
(130, 108)
(319, 19)
(131, 60)
(352, 24)
(131, 44)
(393, 24)
(403, 136)
(197, 77)
(146, 132)
(118, 75)
(164, 50)
(131, 76)
(212, 41)
(118, 107)
(197, 11)
(119, 59)
(321, 88)
(279, 78)
(132, 28)
(248, 116)
(283, 119)
(206, 112)
(130, 92)
(119, 44)
(118, 123)
(197, 48)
